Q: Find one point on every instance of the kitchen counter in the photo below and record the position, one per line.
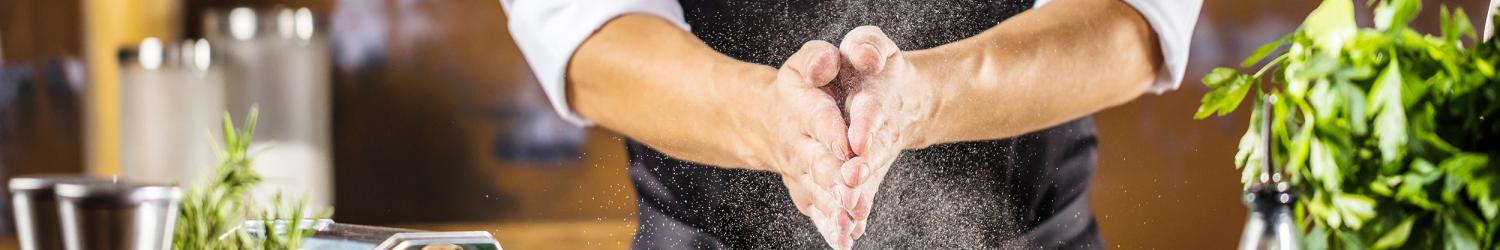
(585, 234)
(582, 234)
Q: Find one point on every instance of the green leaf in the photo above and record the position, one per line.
(1396, 13)
(1380, 187)
(1325, 105)
(1323, 167)
(250, 126)
(1390, 117)
(1229, 89)
(229, 134)
(1301, 145)
(1458, 234)
(1318, 207)
(1463, 165)
(1482, 190)
(1354, 102)
(1356, 209)
(1455, 26)
(1316, 238)
(1461, 21)
(1413, 188)
(1330, 23)
(1433, 141)
(1316, 66)
(1351, 240)
(1220, 76)
(1484, 66)
(1263, 50)
(1396, 236)
(1249, 158)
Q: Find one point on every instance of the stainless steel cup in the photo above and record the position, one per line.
(34, 203)
(117, 215)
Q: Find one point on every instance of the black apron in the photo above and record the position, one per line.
(1030, 191)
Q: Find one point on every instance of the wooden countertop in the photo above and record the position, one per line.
(584, 234)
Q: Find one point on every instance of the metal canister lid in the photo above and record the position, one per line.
(44, 184)
(117, 193)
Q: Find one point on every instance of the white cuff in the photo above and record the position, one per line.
(1173, 21)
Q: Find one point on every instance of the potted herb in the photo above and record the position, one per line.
(213, 214)
(1388, 135)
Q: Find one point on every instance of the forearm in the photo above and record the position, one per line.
(644, 78)
(1065, 60)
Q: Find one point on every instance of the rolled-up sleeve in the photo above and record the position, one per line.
(549, 31)
(1173, 22)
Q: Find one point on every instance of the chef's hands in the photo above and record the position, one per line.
(809, 139)
(889, 105)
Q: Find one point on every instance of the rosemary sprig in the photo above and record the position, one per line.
(213, 213)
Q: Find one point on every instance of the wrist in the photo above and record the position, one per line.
(744, 102)
(926, 68)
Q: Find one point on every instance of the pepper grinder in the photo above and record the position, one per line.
(1270, 224)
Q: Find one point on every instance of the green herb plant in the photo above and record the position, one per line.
(213, 214)
(1387, 134)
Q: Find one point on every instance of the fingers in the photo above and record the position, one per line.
(823, 67)
(836, 236)
(828, 127)
(834, 225)
(831, 219)
(859, 229)
(860, 193)
(866, 172)
(816, 63)
(868, 48)
(853, 171)
(865, 203)
(845, 227)
(823, 199)
(861, 213)
(819, 184)
(866, 58)
(863, 108)
(823, 167)
(826, 123)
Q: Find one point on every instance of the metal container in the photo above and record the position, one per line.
(35, 205)
(336, 236)
(117, 215)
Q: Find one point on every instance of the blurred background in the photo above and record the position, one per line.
(422, 114)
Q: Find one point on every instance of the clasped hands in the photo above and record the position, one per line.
(833, 169)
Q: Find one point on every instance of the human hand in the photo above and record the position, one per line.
(808, 137)
(889, 103)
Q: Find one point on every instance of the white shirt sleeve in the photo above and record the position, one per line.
(549, 31)
(1173, 21)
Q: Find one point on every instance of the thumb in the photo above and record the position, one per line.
(868, 48)
(816, 63)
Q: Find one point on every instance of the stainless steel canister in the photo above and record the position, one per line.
(117, 215)
(35, 205)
